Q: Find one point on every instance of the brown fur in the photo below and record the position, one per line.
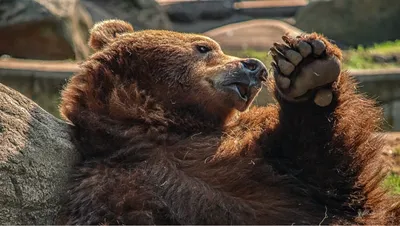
(162, 148)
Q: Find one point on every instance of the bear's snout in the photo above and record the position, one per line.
(249, 72)
(252, 70)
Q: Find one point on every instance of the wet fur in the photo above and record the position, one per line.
(147, 163)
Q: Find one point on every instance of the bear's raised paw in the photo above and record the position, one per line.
(305, 67)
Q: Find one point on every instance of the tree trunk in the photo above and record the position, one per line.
(36, 154)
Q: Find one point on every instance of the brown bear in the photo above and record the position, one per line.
(164, 123)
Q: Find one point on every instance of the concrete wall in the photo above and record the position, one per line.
(384, 85)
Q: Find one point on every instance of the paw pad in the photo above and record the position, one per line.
(302, 65)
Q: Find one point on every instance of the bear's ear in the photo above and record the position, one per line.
(104, 32)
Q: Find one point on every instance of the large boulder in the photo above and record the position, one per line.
(352, 22)
(58, 29)
(255, 34)
(44, 29)
(142, 14)
(36, 156)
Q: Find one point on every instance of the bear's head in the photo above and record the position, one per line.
(139, 74)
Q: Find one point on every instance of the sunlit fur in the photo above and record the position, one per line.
(160, 147)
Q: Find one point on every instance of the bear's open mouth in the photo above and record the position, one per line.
(242, 94)
(243, 90)
(239, 86)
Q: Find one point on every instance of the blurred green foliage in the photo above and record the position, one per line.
(392, 182)
(357, 58)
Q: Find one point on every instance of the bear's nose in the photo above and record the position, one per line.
(253, 67)
(251, 64)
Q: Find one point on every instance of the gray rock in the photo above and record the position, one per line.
(36, 154)
(44, 29)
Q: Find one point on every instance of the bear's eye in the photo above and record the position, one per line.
(203, 49)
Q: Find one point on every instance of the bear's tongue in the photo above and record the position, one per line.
(243, 90)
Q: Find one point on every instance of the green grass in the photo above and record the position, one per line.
(396, 151)
(385, 47)
(392, 182)
(362, 58)
(358, 58)
(261, 55)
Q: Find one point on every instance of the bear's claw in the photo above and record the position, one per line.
(301, 66)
